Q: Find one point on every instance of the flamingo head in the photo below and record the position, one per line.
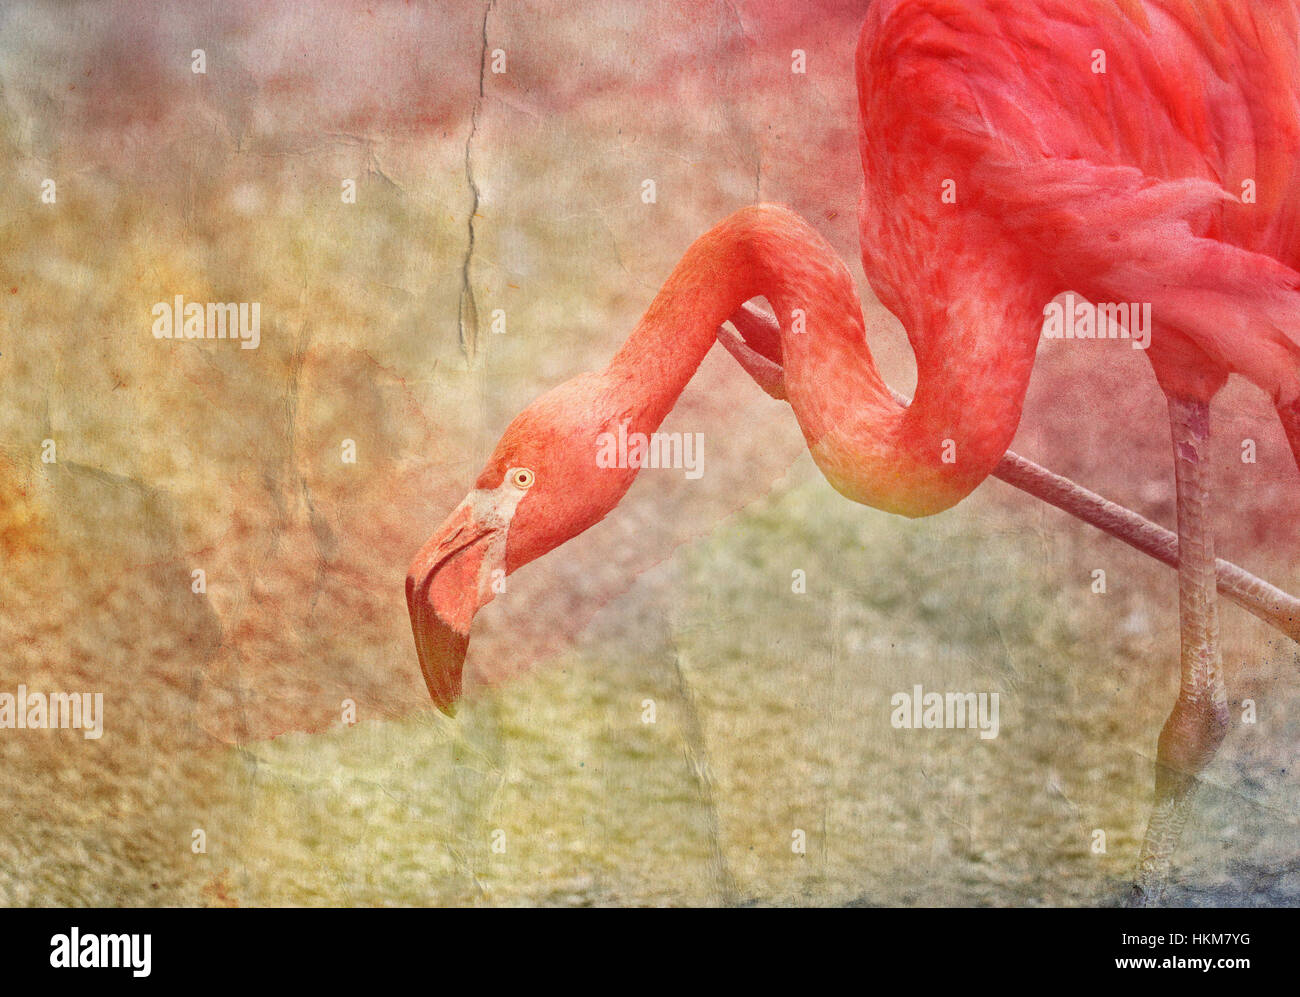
(541, 487)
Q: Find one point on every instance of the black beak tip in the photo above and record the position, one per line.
(441, 649)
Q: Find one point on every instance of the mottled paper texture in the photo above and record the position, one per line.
(655, 713)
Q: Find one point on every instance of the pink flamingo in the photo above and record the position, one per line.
(1024, 149)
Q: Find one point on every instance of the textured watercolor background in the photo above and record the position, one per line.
(223, 710)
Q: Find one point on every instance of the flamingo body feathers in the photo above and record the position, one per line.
(1130, 152)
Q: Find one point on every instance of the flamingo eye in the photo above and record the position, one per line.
(522, 477)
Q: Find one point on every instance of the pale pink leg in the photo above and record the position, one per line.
(759, 352)
(1199, 720)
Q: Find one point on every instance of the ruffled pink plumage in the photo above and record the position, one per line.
(1171, 177)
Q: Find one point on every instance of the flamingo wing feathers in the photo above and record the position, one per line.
(1138, 151)
(1115, 234)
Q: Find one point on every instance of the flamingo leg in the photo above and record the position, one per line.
(1199, 720)
(753, 349)
(767, 375)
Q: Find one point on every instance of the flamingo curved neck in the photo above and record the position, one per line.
(915, 460)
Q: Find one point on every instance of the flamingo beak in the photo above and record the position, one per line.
(447, 583)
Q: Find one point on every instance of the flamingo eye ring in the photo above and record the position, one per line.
(522, 477)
